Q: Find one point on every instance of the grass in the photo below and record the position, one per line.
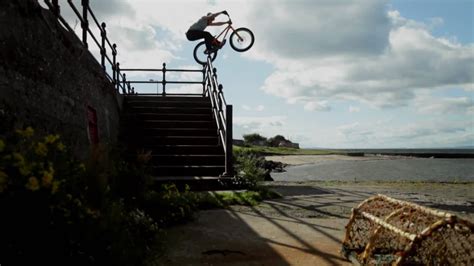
(283, 150)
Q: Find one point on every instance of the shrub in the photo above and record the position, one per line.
(248, 169)
(47, 214)
(169, 206)
(254, 138)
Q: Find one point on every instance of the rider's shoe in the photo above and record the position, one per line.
(212, 50)
(222, 43)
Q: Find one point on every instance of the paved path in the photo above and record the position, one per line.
(305, 227)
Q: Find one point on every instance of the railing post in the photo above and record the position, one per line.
(85, 22)
(164, 79)
(129, 89)
(103, 34)
(114, 65)
(56, 9)
(219, 100)
(124, 83)
(204, 80)
(214, 73)
(118, 77)
(229, 169)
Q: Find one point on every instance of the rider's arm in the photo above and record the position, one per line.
(218, 23)
(213, 16)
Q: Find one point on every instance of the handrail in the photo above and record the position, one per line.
(222, 113)
(116, 78)
(164, 81)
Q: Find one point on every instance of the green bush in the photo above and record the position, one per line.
(248, 170)
(169, 206)
(49, 213)
(254, 138)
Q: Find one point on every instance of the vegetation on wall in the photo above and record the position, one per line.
(100, 212)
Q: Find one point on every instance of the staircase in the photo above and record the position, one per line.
(181, 134)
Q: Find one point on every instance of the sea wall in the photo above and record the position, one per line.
(49, 81)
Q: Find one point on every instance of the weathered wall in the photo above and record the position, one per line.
(48, 80)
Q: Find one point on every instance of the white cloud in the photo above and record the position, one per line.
(442, 106)
(378, 58)
(258, 108)
(266, 125)
(428, 133)
(354, 109)
(317, 106)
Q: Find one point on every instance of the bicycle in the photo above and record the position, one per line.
(241, 40)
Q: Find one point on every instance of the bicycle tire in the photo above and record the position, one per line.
(248, 38)
(200, 56)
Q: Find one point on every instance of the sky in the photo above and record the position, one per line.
(322, 73)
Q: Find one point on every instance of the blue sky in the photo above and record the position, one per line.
(334, 74)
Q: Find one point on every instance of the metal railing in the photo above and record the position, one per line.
(222, 113)
(163, 80)
(107, 61)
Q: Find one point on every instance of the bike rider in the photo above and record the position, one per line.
(196, 31)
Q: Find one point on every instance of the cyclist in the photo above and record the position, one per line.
(196, 31)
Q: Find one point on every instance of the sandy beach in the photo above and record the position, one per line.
(313, 159)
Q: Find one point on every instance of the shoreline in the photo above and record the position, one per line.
(296, 160)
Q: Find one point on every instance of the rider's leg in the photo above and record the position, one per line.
(194, 35)
(208, 39)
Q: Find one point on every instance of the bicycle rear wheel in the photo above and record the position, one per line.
(241, 39)
(199, 54)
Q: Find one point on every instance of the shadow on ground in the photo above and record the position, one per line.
(305, 227)
(294, 230)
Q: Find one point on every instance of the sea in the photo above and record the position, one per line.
(429, 165)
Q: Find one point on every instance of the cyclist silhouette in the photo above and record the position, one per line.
(196, 31)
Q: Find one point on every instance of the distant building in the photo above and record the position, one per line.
(238, 142)
(288, 144)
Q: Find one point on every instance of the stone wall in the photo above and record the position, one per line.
(48, 80)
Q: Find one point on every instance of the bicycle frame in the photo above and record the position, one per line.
(226, 30)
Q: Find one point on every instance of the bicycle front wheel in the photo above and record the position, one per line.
(200, 56)
(241, 39)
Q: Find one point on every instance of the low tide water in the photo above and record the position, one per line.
(395, 169)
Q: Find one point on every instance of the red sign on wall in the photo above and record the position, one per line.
(92, 126)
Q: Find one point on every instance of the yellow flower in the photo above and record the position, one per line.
(32, 184)
(82, 167)
(48, 176)
(28, 132)
(47, 179)
(17, 156)
(24, 170)
(50, 139)
(3, 181)
(41, 149)
(20, 164)
(60, 146)
(55, 187)
(2, 145)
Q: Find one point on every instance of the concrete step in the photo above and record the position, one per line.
(168, 110)
(179, 132)
(185, 159)
(175, 140)
(179, 124)
(196, 183)
(188, 170)
(168, 116)
(180, 149)
(138, 98)
(182, 103)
